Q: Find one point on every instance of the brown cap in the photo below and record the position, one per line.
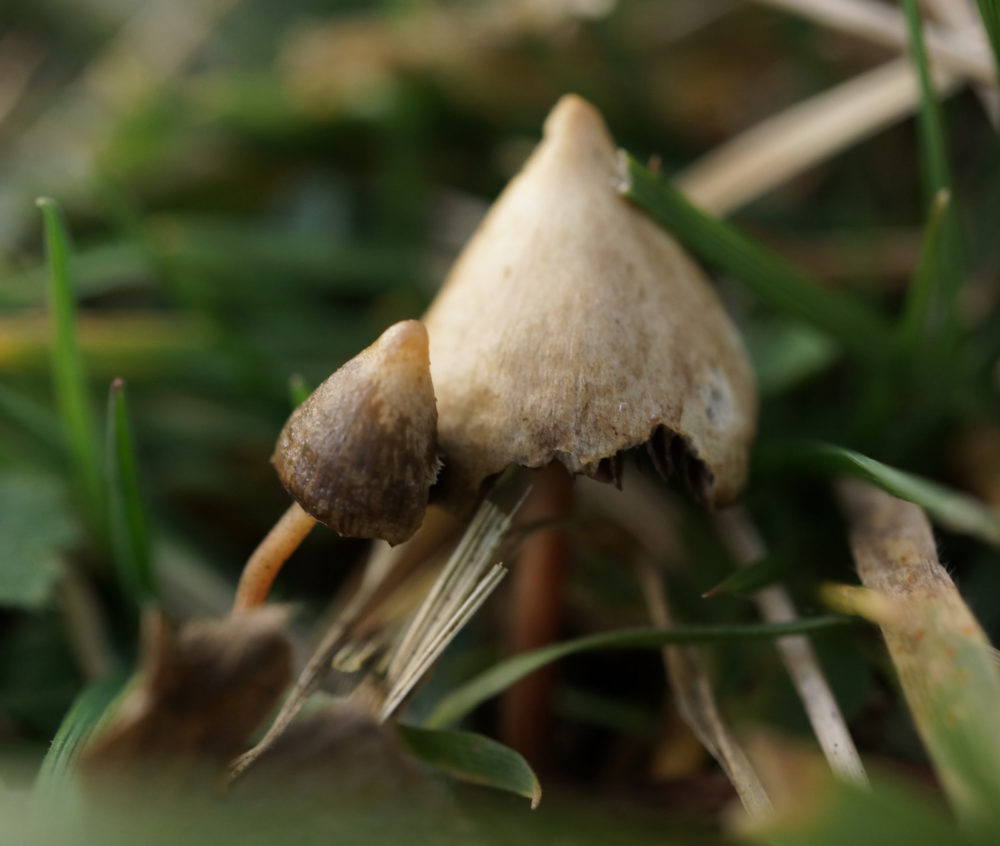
(359, 454)
(572, 327)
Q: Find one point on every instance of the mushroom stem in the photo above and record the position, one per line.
(271, 553)
(539, 590)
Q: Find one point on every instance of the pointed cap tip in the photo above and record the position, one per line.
(407, 336)
(572, 115)
(359, 454)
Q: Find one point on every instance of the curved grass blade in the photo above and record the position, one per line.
(936, 170)
(70, 382)
(787, 354)
(923, 288)
(747, 580)
(34, 418)
(473, 758)
(776, 281)
(951, 509)
(129, 524)
(934, 149)
(78, 726)
(464, 699)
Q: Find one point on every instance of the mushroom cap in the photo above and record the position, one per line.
(359, 454)
(573, 327)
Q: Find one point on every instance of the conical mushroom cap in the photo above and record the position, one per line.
(572, 327)
(359, 454)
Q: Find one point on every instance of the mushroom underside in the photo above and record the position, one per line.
(669, 452)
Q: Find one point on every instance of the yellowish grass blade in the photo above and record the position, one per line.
(941, 655)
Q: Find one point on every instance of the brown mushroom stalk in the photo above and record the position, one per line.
(270, 555)
(359, 455)
(540, 579)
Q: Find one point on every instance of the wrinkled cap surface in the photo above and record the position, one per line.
(359, 454)
(572, 327)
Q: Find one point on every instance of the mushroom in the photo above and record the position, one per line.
(571, 329)
(358, 455)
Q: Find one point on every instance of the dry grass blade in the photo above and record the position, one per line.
(460, 590)
(436, 640)
(941, 655)
(775, 605)
(880, 23)
(696, 702)
(61, 147)
(961, 17)
(464, 584)
(386, 569)
(20, 57)
(83, 617)
(784, 145)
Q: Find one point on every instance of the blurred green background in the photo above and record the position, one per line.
(256, 190)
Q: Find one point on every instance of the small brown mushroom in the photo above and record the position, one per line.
(359, 455)
(572, 328)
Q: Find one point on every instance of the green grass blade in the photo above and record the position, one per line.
(464, 699)
(70, 381)
(298, 390)
(777, 282)
(32, 417)
(951, 509)
(989, 11)
(936, 169)
(934, 148)
(747, 580)
(921, 294)
(78, 726)
(473, 758)
(786, 353)
(129, 524)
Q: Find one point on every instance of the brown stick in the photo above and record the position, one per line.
(267, 559)
(539, 588)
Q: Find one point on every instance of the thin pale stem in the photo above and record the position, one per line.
(696, 701)
(882, 24)
(270, 555)
(775, 605)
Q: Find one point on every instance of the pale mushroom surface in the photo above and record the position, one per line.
(572, 327)
(360, 453)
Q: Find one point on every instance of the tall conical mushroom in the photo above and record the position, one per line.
(572, 328)
(358, 455)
